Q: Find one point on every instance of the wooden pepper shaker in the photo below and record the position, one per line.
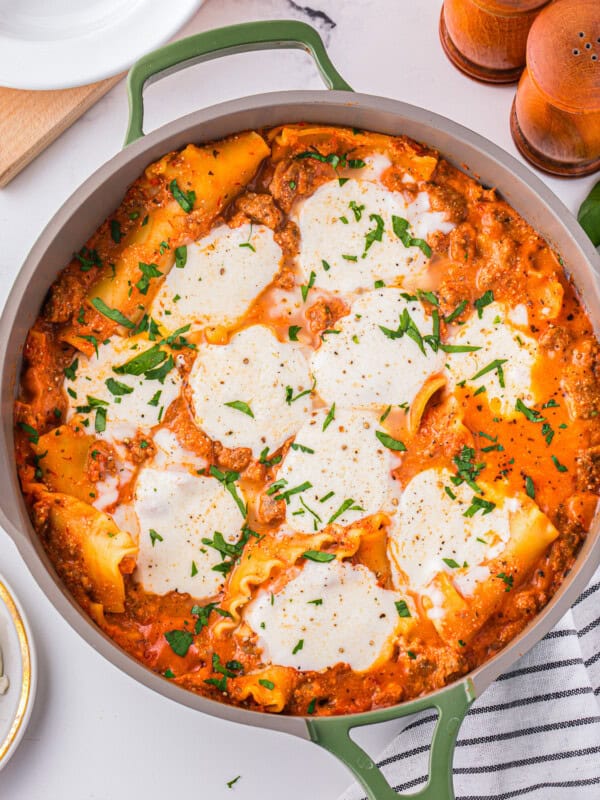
(486, 39)
(555, 118)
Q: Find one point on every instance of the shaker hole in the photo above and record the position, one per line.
(575, 52)
(581, 34)
(588, 46)
(594, 57)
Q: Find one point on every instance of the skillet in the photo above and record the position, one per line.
(86, 209)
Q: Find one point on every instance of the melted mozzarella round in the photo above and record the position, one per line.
(220, 279)
(182, 508)
(128, 412)
(354, 624)
(254, 369)
(349, 470)
(497, 339)
(430, 526)
(361, 366)
(334, 222)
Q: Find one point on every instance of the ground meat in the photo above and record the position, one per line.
(588, 470)
(141, 448)
(445, 198)
(65, 298)
(288, 238)
(258, 208)
(324, 313)
(295, 178)
(101, 462)
(581, 380)
(236, 459)
(269, 509)
(455, 287)
(555, 338)
(462, 243)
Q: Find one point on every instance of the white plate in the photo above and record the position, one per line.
(20, 666)
(56, 44)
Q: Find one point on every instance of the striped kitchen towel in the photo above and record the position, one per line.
(534, 734)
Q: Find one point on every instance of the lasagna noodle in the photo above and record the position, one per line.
(63, 457)
(216, 174)
(531, 533)
(98, 552)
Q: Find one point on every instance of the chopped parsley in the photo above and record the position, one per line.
(329, 418)
(71, 370)
(293, 332)
(185, 199)
(148, 271)
(400, 227)
(508, 580)
(268, 462)
(155, 536)
(319, 557)
(289, 394)
(311, 706)
(228, 479)
(115, 231)
(112, 313)
(560, 467)
(530, 413)
(450, 562)
(229, 552)
(181, 256)
(230, 784)
(493, 366)
(479, 504)
(374, 235)
(117, 388)
(180, 641)
(483, 301)
(31, 432)
(302, 448)
(306, 288)
(347, 505)
(203, 613)
(402, 608)
(529, 487)
(239, 405)
(356, 209)
(298, 647)
(389, 442)
(456, 313)
(266, 683)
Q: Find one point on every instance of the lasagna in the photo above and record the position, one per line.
(310, 424)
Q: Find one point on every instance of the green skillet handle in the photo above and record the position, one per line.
(452, 704)
(269, 35)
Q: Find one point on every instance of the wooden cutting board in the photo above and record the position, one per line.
(30, 121)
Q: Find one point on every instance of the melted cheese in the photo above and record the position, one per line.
(361, 366)
(348, 463)
(220, 279)
(182, 508)
(125, 413)
(497, 338)
(430, 526)
(354, 624)
(255, 369)
(334, 222)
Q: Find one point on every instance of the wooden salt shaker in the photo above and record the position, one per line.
(555, 118)
(486, 39)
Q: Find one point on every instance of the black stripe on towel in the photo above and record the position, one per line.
(534, 787)
(527, 762)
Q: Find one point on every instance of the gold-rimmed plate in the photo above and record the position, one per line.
(20, 669)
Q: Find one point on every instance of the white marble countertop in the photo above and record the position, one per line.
(95, 734)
